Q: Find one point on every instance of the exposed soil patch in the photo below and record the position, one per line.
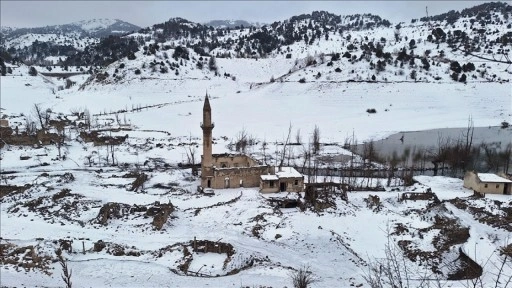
(427, 196)
(26, 257)
(99, 140)
(12, 189)
(41, 137)
(112, 210)
(499, 216)
(467, 268)
(450, 234)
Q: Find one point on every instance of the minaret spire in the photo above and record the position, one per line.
(206, 105)
(207, 158)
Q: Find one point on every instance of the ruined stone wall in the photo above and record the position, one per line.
(290, 184)
(250, 177)
(470, 181)
(230, 161)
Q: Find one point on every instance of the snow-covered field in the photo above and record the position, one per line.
(272, 241)
(87, 193)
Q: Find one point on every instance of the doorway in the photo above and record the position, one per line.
(226, 182)
(209, 183)
(282, 186)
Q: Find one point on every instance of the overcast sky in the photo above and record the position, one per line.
(147, 13)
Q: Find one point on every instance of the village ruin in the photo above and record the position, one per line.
(222, 171)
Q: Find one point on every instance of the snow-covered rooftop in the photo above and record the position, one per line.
(287, 172)
(269, 177)
(489, 177)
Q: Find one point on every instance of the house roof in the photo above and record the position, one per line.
(269, 177)
(489, 177)
(287, 172)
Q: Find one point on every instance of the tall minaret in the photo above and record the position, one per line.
(207, 159)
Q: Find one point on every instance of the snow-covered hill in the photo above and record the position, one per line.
(95, 28)
(35, 45)
(232, 24)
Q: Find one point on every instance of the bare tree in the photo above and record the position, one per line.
(30, 126)
(264, 149)
(191, 151)
(285, 145)
(40, 114)
(315, 139)
(298, 137)
(243, 140)
(60, 126)
(66, 272)
(506, 157)
(87, 118)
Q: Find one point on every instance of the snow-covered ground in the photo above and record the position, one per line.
(161, 114)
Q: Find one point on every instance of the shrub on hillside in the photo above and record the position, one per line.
(455, 67)
(371, 110)
(468, 67)
(131, 56)
(180, 52)
(302, 80)
(414, 75)
(212, 64)
(32, 71)
(137, 72)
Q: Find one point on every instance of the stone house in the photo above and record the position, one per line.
(4, 123)
(487, 183)
(221, 171)
(284, 179)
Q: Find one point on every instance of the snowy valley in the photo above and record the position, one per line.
(100, 151)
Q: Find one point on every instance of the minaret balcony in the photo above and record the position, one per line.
(209, 126)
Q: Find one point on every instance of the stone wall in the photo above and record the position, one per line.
(231, 177)
(232, 161)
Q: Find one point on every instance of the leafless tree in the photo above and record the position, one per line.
(191, 151)
(30, 126)
(87, 118)
(506, 156)
(89, 159)
(285, 145)
(66, 272)
(243, 140)
(392, 164)
(60, 126)
(298, 137)
(40, 114)
(315, 139)
(264, 149)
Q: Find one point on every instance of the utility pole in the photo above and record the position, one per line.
(428, 19)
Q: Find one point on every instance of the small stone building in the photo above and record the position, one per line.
(487, 183)
(221, 171)
(4, 123)
(284, 179)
